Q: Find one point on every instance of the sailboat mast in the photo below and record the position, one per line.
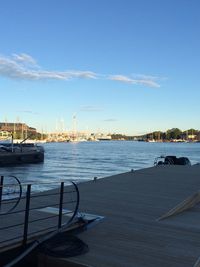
(74, 126)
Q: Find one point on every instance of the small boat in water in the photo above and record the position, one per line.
(22, 153)
(171, 160)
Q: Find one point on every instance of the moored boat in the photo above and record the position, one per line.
(14, 154)
(171, 160)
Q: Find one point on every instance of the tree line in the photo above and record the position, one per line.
(173, 134)
(169, 135)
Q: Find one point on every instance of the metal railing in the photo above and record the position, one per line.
(25, 215)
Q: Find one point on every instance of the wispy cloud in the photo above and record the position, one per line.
(90, 108)
(25, 59)
(144, 76)
(23, 66)
(145, 80)
(148, 77)
(120, 78)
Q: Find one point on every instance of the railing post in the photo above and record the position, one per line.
(61, 205)
(1, 189)
(26, 217)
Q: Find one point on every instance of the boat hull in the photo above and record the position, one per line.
(16, 158)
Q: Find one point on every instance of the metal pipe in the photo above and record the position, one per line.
(12, 142)
(60, 205)
(1, 189)
(26, 218)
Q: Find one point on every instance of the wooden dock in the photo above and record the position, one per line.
(131, 234)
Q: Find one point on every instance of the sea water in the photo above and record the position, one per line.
(82, 161)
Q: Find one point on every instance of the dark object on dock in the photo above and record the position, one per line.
(171, 160)
(64, 245)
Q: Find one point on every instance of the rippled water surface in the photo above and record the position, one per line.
(85, 160)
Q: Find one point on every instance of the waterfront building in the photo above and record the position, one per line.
(21, 130)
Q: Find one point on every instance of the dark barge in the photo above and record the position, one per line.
(14, 154)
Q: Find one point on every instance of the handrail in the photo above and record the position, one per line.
(16, 199)
(30, 210)
(77, 202)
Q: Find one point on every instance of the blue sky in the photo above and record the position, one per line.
(123, 66)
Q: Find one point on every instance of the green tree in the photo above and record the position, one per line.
(174, 133)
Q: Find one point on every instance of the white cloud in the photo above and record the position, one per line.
(145, 80)
(148, 77)
(144, 76)
(149, 83)
(121, 78)
(23, 66)
(24, 58)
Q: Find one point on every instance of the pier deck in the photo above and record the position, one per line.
(130, 235)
